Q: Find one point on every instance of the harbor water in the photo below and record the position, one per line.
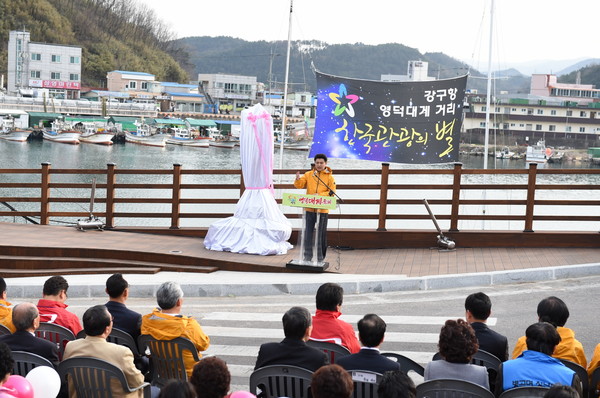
(14, 155)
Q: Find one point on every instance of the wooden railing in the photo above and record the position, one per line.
(377, 184)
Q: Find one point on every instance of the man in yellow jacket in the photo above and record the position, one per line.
(166, 322)
(318, 181)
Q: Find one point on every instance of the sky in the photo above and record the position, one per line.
(525, 31)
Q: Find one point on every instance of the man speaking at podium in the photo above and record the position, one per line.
(318, 181)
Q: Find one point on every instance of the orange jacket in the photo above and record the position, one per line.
(168, 327)
(569, 347)
(313, 186)
(6, 315)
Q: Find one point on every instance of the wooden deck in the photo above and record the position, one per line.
(27, 250)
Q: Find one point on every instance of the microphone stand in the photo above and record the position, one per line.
(331, 191)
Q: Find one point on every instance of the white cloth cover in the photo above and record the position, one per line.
(258, 225)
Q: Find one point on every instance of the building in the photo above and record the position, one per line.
(230, 93)
(548, 86)
(37, 69)
(417, 71)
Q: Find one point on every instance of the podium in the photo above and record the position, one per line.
(314, 227)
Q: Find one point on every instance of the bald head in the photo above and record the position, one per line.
(25, 317)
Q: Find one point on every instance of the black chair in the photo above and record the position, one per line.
(56, 334)
(524, 392)
(483, 358)
(167, 357)
(25, 361)
(594, 384)
(4, 330)
(332, 350)
(281, 381)
(91, 378)
(117, 336)
(582, 373)
(406, 364)
(365, 383)
(451, 388)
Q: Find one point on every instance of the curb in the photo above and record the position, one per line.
(241, 284)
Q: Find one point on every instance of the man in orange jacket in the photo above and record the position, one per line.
(318, 181)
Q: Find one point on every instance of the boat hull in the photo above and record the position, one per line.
(152, 140)
(63, 137)
(100, 138)
(196, 143)
(222, 144)
(17, 136)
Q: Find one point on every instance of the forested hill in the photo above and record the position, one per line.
(113, 34)
(236, 56)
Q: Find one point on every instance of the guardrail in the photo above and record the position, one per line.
(377, 195)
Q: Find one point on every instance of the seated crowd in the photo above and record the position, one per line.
(536, 359)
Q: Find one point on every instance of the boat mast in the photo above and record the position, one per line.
(285, 87)
(489, 91)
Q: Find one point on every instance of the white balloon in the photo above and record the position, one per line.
(45, 382)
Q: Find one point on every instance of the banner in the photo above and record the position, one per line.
(310, 201)
(414, 122)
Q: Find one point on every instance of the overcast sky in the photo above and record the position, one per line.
(524, 30)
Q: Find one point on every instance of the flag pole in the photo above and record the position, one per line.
(285, 89)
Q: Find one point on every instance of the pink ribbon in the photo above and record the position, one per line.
(253, 118)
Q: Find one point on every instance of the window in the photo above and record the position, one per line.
(583, 113)
(552, 127)
(538, 127)
(540, 111)
(74, 60)
(513, 109)
(144, 85)
(36, 74)
(36, 56)
(482, 125)
(55, 58)
(568, 129)
(497, 109)
(521, 125)
(132, 84)
(74, 76)
(553, 112)
(54, 75)
(483, 109)
(528, 126)
(530, 111)
(569, 113)
(505, 126)
(582, 129)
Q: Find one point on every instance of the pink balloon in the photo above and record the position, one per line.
(20, 385)
(242, 394)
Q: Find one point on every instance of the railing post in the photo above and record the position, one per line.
(175, 204)
(530, 197)
(455, 197)
(242, 184)
(383, 195)
(45, 194)
(110, 195)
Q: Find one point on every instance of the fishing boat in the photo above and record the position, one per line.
(185, 137)
(62, 132)
(221, 140)
(505, 153)
(144, 136)
(95, 133)
(14, 134)
(538, 153)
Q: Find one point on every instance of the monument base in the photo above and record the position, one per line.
(310, 266)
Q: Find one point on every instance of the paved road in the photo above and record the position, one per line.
(238, 325)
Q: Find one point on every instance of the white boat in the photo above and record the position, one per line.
(184, 137)
(220, 140)
(538, 153)
(505, 153)
(14, 134)
(61, 132)
(144, 136)
(95, 133)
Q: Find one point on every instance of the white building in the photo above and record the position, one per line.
(416, 72)
(34, 68)
(229, 92)
(547, 85)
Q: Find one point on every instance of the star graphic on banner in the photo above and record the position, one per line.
(344, 101)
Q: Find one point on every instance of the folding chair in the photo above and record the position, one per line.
(365, 383)
(4, 330)
(25, 361)
(451, 388)
(332, 350)
(406, 364)
(582, 373)
(91, 378)
(167, 357)
(56, 334)
(281, 381)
